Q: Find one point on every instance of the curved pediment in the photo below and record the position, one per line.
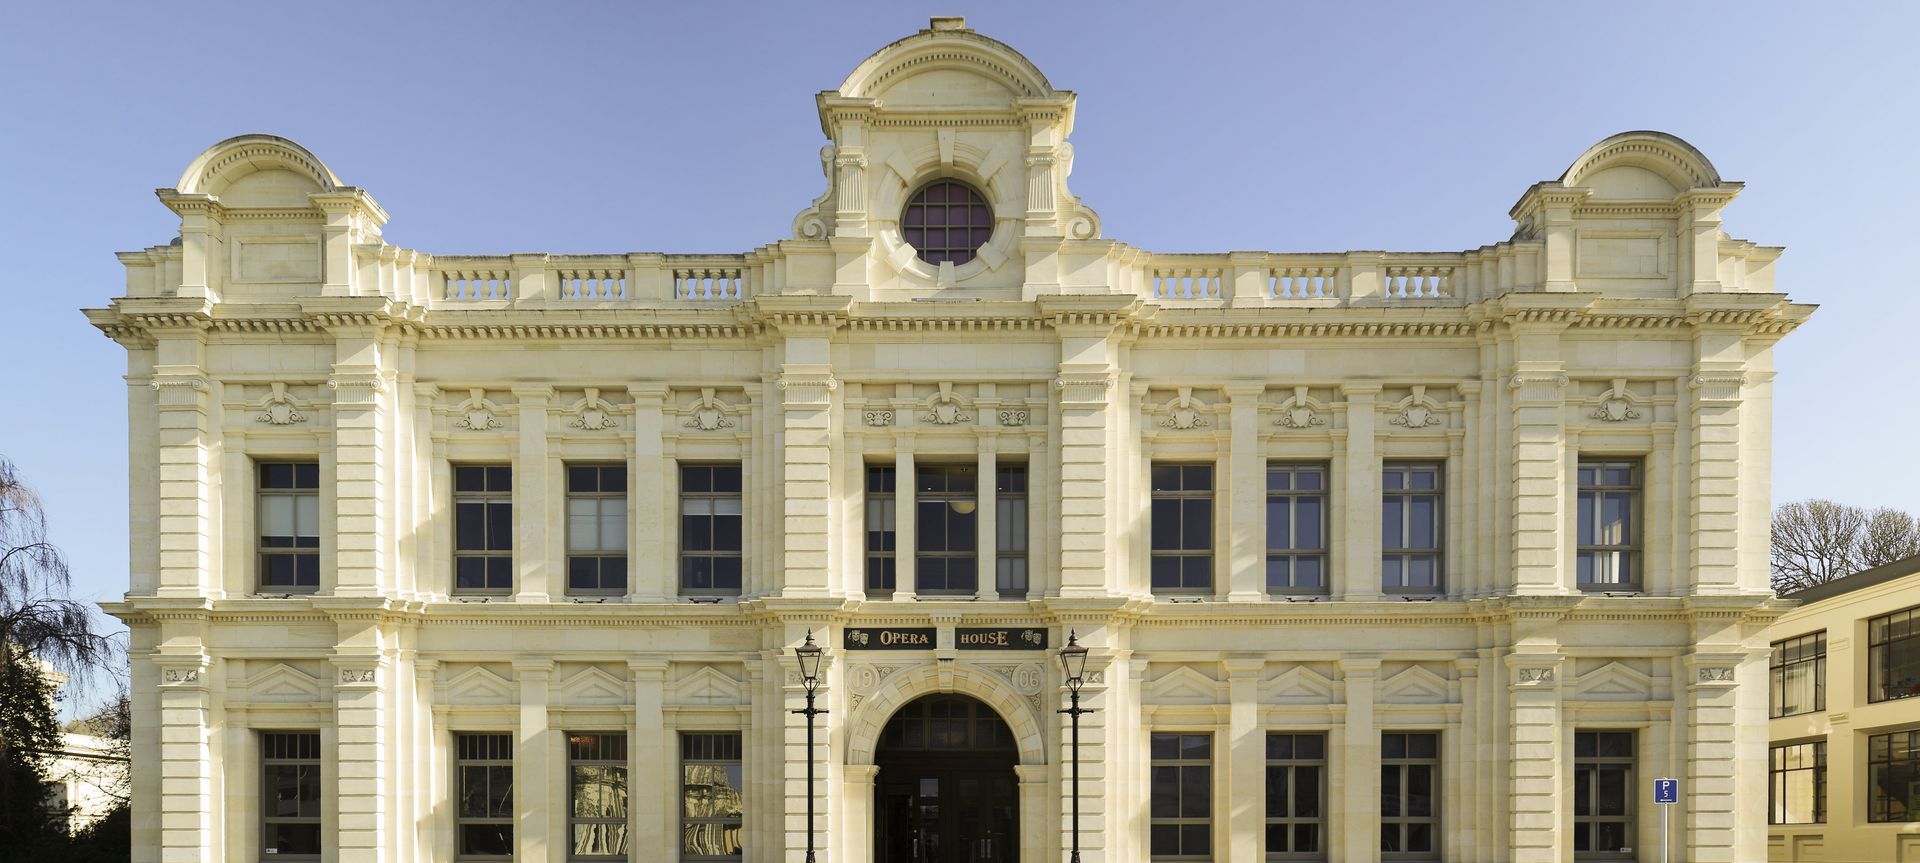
(1667, 158)
(226, 169)
(942, 64)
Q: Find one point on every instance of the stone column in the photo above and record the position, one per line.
(1098, 824)
(1085, 526)
(187, 433)
(1710, 790)
(1538, 777)
(531, 757)
(653, 804)
(807, 464)
(1246, 754)
(361, 756)
(1539, 464)
(1359, 772)
(1717, 387)
(361, 417)
(649, 570)
(186, 758)
(532, 501)
(429, 783)
(1461, 822)
(1357, 575)
(856, 788)
(794, 791)
(987, 520)
(904, 539)
(1246, 501)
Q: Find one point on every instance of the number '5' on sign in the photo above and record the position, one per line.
(1666, 791)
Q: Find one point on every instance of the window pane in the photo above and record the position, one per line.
(276, 515)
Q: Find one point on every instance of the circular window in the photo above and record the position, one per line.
(947, 221)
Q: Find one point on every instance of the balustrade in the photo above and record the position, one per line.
(1418, 282)
(1186, 283)
(478, 284)
(705, 284)
(1303, 283)
(589, 284)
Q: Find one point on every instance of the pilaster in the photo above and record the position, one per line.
(1359, 768)
(1714, 751)
(1356, 578)
(1246, 754)
(362, 409)
(533, 500)
(532, 761)
(1246, 485)
(188, 436)
(650, 574)
(361, 756)
(1538, 384)
(1534, 766)
(1716, 389)
(186, 758)
(807, 399)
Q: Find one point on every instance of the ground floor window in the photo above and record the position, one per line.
(711, 786)
(597, 784)
(290, 784)
(483, 769)
(1893, 776)
(1603, 794)
(1797, 783)
(1181, 822)
(1296, 794)
(1409, 812)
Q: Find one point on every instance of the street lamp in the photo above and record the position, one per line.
(1073, 659)
(809, 656)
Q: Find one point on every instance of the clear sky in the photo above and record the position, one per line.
(690, 127)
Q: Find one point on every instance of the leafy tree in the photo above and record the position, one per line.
(1817, 541)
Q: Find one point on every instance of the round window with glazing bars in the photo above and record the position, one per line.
(947, 220)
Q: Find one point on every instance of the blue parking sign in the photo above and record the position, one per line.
(1666, 791)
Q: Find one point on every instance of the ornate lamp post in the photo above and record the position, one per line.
(809, 656)
(1073, 659)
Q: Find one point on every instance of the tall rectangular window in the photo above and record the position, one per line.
(712, 783)
(1893, 762)
(1797, 783)
(1296, 528)
(1410, 528)
(1296, 796)
(946, 533)
(881, 565)
(1893, 656)
(1010, 530)
(1607, 526)
(482, 528)
(1603, 794)
(289, 520)
(1409, 809)
(483, 776)
(290, 792)
(1182, 528)
(1180, 825)
(1799, 674)
(597, 784)
(711, 529)
(597, 528)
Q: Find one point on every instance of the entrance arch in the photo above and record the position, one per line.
(946, 790)
(890, 692)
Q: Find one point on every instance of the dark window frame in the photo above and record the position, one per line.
(1404, 766)
(1881, 756)
(295, 749)
(1881, 643)
(1592, 492)
(1397, 486)
(607, 564)
(490, 751)
(1168, 751)
(1012, 562)
(716, 477)
(956, 564)
(1284, 480)
(712, 749)
(1173, 491)
(1286, 758)
(1790, 655)
(882, 531)
(1596, 753)
(598, 750)
(295, 481)
(924, 217)
(488, 496)
(1812, 761)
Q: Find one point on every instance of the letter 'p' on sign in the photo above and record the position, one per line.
(1666, 791)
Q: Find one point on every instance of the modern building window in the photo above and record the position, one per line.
(483, 773)
(597, 528)
(1410, 528)
(597, 782)
(710, 529)
(1799, 674)
(1893, 656)
(1797, 783)
(290, 792)
(289, 494)
(1182, 517)
(946, 532)
(1296, 528)
(1180, 826)
(1296, 796)
(711, 786)
(881, 562)
(1603, 794)
(1010, 530)
(1409, 809)
(1893, 765)
(946, 220)
(482, 528)
(1607, 531)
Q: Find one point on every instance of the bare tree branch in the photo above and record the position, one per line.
(1817, 541)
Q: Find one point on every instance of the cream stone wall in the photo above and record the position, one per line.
(1842, 612)
(1619, 319)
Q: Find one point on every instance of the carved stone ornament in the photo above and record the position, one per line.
(1716, 674)
(477, 414)
(1298, 411)
(356, 675)
(1186, 412)
(1616, 405)
(1417, 411)
(1013, 417)
(279, 409)
(708, 413)
(878, 418)
(945, 409)
(1536, 675)
(1083, 388)
(180, 675)
(593, 413)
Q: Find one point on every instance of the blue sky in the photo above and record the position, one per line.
(605, 127)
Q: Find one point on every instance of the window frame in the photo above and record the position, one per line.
(575, 760)
(1404, 763)
(1778, 668)
(961, 564)
(958, 255)
(715, 554)
(494, 760)
(1290, 821)
(1185, 497)
(267, 763)
(684, 740)
(1181, 764)
(1879, 647)
(1778, 776)
(262, 494)
(489, 497)
(1294, 552)
(1911, 762)
(1631, 549)
(601, 555)
(1405, 494)
(1592, 766)
(1012, 547)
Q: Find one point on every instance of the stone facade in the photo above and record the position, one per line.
(1618, 321)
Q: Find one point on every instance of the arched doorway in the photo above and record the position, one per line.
(946, 790)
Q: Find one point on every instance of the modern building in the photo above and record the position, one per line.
(1844, 769)
(1380, 555)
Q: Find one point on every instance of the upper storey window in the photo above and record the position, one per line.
(289, 526)
(947, 221)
